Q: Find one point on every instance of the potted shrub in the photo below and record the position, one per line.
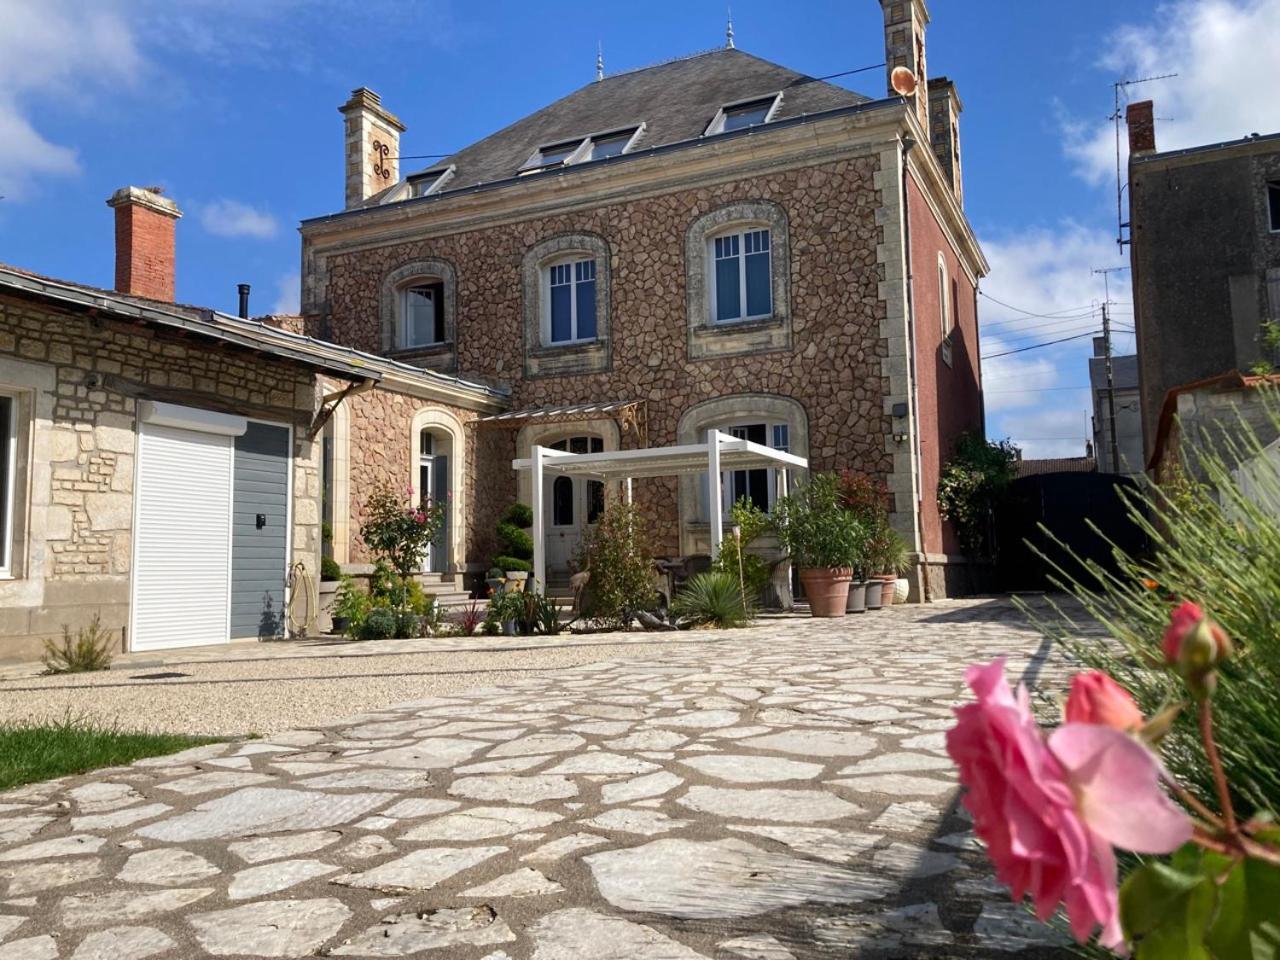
(398, 534)
(825, 542)
(515, 551)
(350, 607)
(892, 559)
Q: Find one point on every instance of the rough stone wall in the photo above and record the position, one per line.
(950, 401)
(76, 513)
(833, 367)
(1205, 417)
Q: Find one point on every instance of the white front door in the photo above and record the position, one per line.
(182, 531)
(571, 506)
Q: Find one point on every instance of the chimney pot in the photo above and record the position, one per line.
(145, 220)
(1140, 119)
(243, 290)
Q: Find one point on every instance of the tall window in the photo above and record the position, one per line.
(1273, 205)
(944, 294)
(571, 301)
(564, 494)
(741, 282)
(952, 317)
(422, 315)
(8, 470)
(760, 486)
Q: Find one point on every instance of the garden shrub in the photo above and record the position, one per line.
(515, 550)
(869, 500)
(89, 650)
(755, 571)
(970, 482)
(1217, 547)
(712, 599)
(398, 534)
(408, 625)
(814, 528)
(619, 555)
(380, 624)
(353, 603)
(330, 569)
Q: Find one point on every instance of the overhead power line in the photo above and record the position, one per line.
(992, 356)
(1029, 313)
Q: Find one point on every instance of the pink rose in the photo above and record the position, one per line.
(1192, 641)
(420, 517)
(1049, 813)
(1096, 698)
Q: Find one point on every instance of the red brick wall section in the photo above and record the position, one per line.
(833, 368)
(145, 261)
(950, 398)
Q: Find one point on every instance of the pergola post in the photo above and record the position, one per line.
(539, 522)
(714, 492)
(626, 490)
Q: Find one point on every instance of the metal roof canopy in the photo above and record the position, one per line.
(721, 452)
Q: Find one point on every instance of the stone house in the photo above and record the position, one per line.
(1205, 257)
(716, 241)
(160, 464)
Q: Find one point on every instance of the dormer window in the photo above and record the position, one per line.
(598, 146)
(429, 182)
(749, 113)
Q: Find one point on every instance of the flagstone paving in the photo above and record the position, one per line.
(780, 796)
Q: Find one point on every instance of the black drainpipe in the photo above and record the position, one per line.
(244, 300)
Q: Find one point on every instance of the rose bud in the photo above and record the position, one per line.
(1096, 698)
(1193, 643)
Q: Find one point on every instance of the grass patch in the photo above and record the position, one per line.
(34, 751)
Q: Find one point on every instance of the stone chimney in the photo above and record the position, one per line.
(372, 146)
(144, 242)
(944, 124)
(904, 25)
(1141, 121)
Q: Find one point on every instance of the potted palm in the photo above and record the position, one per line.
(825, 542)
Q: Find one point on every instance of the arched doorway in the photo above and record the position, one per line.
(436, 455)
(572, 505)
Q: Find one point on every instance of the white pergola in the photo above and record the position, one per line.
(721, 452)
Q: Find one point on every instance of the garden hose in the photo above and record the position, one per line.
(302, 583)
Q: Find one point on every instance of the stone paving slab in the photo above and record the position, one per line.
(782, 796)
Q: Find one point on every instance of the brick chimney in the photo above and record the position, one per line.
(944, 124)
(371, 146)
(144, 242)
(1141, 121)
(904, 26)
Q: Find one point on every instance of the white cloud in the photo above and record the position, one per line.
(1058, 431)
(1227, 58)
(288, 291)
(231, 218)
(59, 51)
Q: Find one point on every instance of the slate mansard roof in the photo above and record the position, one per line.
(675, 102)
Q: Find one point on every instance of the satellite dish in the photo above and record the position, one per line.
(903, 81)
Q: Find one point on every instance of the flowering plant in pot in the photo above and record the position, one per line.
(824, 541)
(1052, 807)
(398, 532)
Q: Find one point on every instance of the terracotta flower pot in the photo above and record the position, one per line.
(890, 581)
(827, 589)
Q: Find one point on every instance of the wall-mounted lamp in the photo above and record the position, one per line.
(899, 410)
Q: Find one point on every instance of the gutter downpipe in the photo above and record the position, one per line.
(907, 144)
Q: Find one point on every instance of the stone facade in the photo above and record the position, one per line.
(78, 382)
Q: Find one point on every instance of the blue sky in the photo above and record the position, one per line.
(231, 106)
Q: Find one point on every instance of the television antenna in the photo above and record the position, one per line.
(1117, 87)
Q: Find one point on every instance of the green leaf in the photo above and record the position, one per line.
(1247, 924)
(1151, 893)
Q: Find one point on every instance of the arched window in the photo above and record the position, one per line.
(418, 308)
(944, 295)
(738, 267)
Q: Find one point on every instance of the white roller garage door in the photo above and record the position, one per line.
(182, 529)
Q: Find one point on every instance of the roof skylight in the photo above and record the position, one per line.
(429, 181)
(598, 146)
(748, 113)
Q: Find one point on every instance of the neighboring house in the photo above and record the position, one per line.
(1127, 411)
(159, 463)
(1200, 417)
(716, 241)
(1205, 233)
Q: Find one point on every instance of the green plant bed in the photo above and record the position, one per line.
(30, 752)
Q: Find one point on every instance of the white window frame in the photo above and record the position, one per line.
(740, 230)
(582, 153)
(570, 260)
(441, 177)
(717, 123)
(7, 494)
(944, 296)
(773, 430)
(402, 304)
